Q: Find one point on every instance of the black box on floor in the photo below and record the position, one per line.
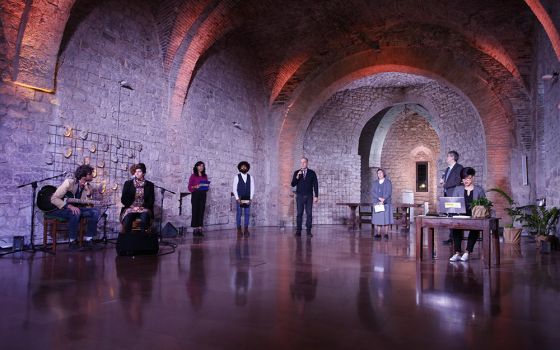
(137, 244)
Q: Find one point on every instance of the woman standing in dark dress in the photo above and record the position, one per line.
(471, 192)
(198, 186)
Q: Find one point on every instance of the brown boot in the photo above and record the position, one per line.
(239, 232)
(246, 231)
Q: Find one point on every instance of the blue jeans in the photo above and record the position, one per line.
(246, 212)
(91, 215)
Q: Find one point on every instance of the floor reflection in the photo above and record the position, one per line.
(304, 286)
(241, 260)
(196, 280)
(136, 278)
(459, 292)
(339, 289)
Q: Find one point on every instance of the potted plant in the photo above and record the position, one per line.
(511, 234)
(480, 208)
(542, 222)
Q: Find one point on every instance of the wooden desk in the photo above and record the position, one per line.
(353, 207)
(488, 226)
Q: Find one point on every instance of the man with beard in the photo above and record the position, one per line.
(243, 190)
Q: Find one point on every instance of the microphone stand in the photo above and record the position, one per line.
(33, 185)
(103, 216)
(181, 195)
(162, 191)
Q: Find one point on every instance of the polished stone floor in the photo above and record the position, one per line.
(338, 290)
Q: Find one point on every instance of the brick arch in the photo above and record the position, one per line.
(495, 113)
(41, 30)
(402, 32)
(548, 24)
(218, 22)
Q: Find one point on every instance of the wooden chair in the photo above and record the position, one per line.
(365, 213)
(53, 226)
(399, 220)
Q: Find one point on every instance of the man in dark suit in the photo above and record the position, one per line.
(306, 184)
(451, 178)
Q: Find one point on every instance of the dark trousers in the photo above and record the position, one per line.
(458, 238)
(304, 201)
(91, 214)
(129, 219)
(198, 201)
(246, 211)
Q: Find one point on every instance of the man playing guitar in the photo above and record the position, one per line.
(80, 188)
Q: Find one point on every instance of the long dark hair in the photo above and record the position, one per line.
(195, 170)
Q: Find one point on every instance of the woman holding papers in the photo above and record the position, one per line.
(382, 215)
(471, 192)
(198, 186)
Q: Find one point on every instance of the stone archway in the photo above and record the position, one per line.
(495, 113)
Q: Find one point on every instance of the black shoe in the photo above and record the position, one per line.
(377, 236)
(309, 234)
(73, 245)
(447, 241)
(298, 233)
(386, 236)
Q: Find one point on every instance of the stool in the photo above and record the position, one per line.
(53, 225)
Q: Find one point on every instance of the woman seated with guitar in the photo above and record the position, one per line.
(138, 199)
(78, 188)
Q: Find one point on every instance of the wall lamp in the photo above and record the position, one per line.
(553, 76)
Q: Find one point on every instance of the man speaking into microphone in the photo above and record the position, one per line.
(307, 192)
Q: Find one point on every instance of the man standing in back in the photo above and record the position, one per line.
(450, 179)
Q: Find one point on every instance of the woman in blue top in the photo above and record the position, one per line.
(382, 192)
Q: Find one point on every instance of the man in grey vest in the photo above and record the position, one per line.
(243, 190)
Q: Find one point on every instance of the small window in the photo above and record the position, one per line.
(421, 176)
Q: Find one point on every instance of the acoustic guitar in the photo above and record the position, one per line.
(46, 192)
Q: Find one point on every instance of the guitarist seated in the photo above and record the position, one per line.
(138, 199)
(79, 188)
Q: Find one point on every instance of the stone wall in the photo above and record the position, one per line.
(333, 137)
(116, 41)
(221, 125)
(544, 164)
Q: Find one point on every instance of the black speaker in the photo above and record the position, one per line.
(169, 231)
(137, 244)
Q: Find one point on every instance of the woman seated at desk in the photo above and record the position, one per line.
(471, 192)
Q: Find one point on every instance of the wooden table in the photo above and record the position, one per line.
(488, 226)
(353, 206)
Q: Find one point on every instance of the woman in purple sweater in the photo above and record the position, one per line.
(198, 186)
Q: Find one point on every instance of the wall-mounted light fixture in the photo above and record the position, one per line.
(553, 76)
(236, 125)
(125, 84)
